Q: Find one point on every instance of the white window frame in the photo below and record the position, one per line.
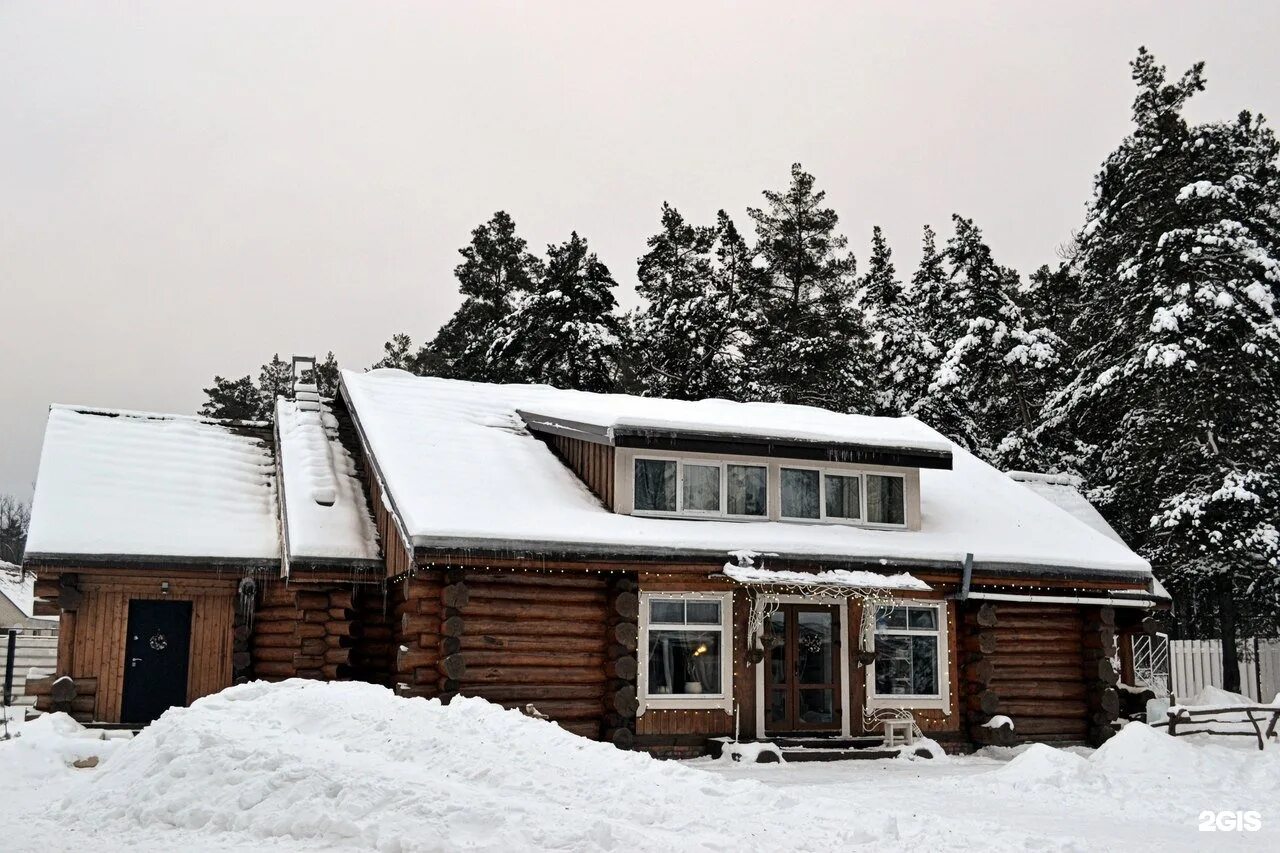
(862, 475)
(686, 701)
(941, 701)
(680, 511)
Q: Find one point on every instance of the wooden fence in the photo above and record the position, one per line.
(1195, 664)
(40, 653)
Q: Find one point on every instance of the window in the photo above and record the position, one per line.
(800, 493)
(655, 486)
(843, 497)
(909, 651)
(695, 487)
(885, 503)
(748, 490)
(685, 645)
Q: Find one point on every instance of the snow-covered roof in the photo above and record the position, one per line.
(779, 422)
(135, 484)
(19, 589)
(1063, 491)
(461, 470)
(326, 514)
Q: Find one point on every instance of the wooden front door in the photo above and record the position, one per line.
(802, 670)
(157, 652)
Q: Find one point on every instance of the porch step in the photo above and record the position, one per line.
(827, 742)
(820, 749)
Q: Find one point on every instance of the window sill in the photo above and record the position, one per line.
(921, 703)
(687, 702)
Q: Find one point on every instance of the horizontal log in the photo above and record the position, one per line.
(342, 613)
(534, 692)
(337, 656)
(314, 646)
(277, 614)
(274, 669)
(44, 686)
(279, 654)
(1021, 709)
(1005, 658)
(626, 634)
(46, 588)
(83, 705)
(1036, 647)
(985, 702)
(276, 641)
(263, 627)
(624, 668)
(341, 598)
(1017, 609)
(412, 658)
(1069, 673)
(567, 645)
(489, 608)
(585, 728)
(983, 642)
(302, 661)
(547, 659)
(313, 673)
(342, 629)
(1067, 639)
(419, 607)
(455, 595)
(336, 641)
(533, 628)
(985, 616)
(277, 595)
(1066, 625)
(622, 701)
(1039, 689)
(415, 623)
(43, 607)
(454, 626)
(310, 600)
(538, 579)
(552, 594)
(316, 616)
(530, 675)
(335, 671)
(627, 605)
(562, 710)
(1064, 727)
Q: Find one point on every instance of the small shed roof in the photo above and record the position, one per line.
(151, 487)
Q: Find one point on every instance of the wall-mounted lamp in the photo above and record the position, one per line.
(164, 587)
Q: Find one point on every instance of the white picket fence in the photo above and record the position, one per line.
(38, 653)
(1195, 664)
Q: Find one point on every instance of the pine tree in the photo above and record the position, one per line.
(565, 332)
(903, 354)
(232, 399)
(809, 344)
(990, 382)
(689, 336)
(1178, 388)
(496, 271)
(243, 399)
(399, 353)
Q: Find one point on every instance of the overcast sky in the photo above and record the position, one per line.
(187, 188)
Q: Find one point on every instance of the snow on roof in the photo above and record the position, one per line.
(19, 589)
(834, 577)
(462, 471)
(779, 421)
(327, 515)
(1063, 491)
(152, 485)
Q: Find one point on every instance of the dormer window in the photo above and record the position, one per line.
(815, 494)
(701, 488)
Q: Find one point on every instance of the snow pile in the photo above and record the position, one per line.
(137, 484)
(19, 589)
(46, 746)
(327, 515)
(463, 471)
(349, 764)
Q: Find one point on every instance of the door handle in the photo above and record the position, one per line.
(134, 661)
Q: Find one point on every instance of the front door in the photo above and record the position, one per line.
(156, 658)
(802, 672)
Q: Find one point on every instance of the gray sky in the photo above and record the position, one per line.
(186, 188)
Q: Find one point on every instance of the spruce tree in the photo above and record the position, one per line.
(903, 354)
(565, 332)
(232, 399)
(689, 336)
(496, 271)
(1178, 387)
(991, 377)
(809, 343)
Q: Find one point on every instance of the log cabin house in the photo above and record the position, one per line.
(655, 573)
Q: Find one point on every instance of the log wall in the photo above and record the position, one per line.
(303, 630)
(93, 630)
(1033, 663)
(593, 463)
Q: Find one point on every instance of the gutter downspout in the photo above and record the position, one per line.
(967, 578)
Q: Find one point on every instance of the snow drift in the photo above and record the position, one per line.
(350, 764)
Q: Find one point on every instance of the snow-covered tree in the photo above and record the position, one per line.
(496, 271)
(809, 343)
(1179, 387)
(904, 355)
(15, 518)
(688, 339)
(244, 399)
(987, 388)
(400, 353)
(565, 332)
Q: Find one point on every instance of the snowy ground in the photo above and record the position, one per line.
(305, 765)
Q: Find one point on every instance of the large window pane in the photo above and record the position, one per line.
(885, 500)
(684, 662)
(923, 618)
(748, 490)
(842, 497)
(924, 666)
(655, 488)
(893, 665)
(702, 488)
(891, 617)
(799, 493)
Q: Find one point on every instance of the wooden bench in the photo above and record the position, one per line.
(1182, 716)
